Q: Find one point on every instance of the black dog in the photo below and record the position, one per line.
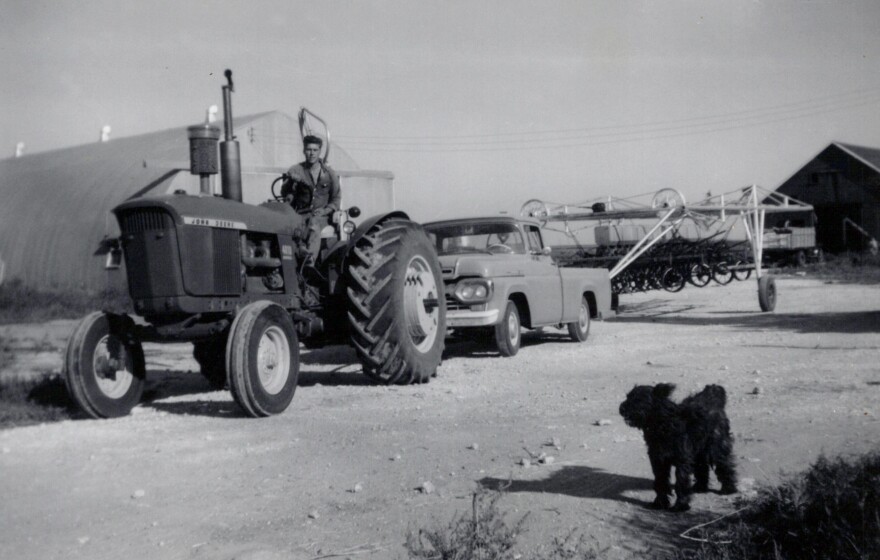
(691, 436)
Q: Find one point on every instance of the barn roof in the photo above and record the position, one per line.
(868, 156)
(56, 205)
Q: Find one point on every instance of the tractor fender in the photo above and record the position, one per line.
(368, 224)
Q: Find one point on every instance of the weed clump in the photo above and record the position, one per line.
(23, 304)
(27, 402)
(485, 534)
(830, 512)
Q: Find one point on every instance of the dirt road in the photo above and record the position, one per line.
(187, 476)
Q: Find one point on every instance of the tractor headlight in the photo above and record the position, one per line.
(475, 290)
(348, 227)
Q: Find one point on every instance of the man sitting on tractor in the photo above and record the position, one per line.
(312, 188)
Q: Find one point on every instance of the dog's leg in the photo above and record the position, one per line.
(725, 470)
(682, 487)
(701, 474)
(662, 489)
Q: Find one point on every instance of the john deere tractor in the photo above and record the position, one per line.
(232, 279)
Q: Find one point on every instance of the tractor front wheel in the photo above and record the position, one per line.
(104, 366)
(262, 358)
(396, 305)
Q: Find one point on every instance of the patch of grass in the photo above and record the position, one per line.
(830, 512)
(855, 268)
(22, 304)
(485, 534)
(28, 402)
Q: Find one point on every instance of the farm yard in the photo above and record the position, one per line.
(351, 467)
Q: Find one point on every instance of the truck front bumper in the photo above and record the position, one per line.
(466, 318)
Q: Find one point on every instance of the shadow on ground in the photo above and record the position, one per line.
(578, 482)
(658, 531)
(849, 322)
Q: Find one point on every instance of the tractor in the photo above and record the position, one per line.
(231, 278)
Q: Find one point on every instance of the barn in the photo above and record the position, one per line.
(842, 183)
(56, 206)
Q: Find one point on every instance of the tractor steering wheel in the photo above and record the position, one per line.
(278, 197)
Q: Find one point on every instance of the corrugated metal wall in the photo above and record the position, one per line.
(55, 206)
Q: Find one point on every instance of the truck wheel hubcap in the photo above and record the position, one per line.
(112, 364)
(419, 286)
(512, 328)
(273, 360)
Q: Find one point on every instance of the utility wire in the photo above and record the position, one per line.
(593, 137)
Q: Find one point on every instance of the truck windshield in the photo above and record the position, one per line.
(476, 238)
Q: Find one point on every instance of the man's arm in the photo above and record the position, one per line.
(335, 192)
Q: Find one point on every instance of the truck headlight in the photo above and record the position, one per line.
(477, 290)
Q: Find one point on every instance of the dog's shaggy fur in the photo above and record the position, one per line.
(691, 436)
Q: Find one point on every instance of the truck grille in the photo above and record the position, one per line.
(453, 304)
(145, 219)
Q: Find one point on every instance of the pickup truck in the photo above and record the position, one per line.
(499, 276)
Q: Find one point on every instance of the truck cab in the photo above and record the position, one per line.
(498, 275)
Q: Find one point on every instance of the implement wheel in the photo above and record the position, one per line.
(767, 293)
(396, 304)
(262, 358)
(722, 274)
(104, 366)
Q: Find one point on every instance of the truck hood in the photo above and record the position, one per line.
(482, 265)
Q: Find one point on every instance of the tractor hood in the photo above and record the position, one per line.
(212, 211)
(483, 265)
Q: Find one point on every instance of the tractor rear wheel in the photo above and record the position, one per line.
(104, 366)
(211, 356)
(262, 358)
(396, 305)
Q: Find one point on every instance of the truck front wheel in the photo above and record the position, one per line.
(262, 357)
(104, 366)
(507, 332)
(580, 329)
(396, 305)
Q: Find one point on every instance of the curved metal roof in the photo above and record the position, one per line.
(55, 207)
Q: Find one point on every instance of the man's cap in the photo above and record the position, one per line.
(311, 139)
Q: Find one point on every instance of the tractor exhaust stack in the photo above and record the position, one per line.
(230, 158)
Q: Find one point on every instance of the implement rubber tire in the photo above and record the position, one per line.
(262, 358)
(580, 329)
(396, 305)
(100, 345)
(508, 334)
(211, 356)
(767, 293)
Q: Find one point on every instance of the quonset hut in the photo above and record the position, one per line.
(55, 207)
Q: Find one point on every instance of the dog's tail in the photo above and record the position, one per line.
(715, 395)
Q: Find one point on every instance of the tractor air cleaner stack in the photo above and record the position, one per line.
(203, 159)
(230, 172)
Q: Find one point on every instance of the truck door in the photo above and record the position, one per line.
(544, 279)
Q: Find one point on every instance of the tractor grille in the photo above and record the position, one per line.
(145, 219)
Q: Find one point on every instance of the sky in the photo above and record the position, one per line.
(475, 106)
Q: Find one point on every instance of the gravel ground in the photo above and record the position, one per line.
(344, 469)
